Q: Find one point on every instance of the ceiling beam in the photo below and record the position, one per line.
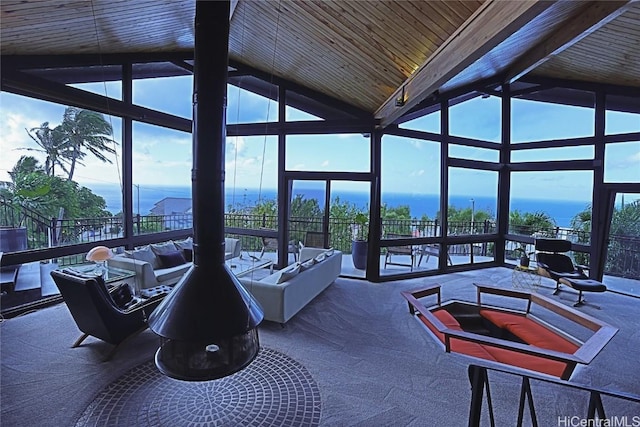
(490, 25)
(587, 20)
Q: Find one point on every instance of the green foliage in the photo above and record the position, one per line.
(529, 223)
(397, 213)
(623, 253)
(85, 131)
(360, 227)
(305, 208)
(51, 143)
(34, 189)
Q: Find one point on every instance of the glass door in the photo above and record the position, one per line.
(307, 221)
(324, 213)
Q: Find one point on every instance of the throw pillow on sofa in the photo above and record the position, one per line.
(188, 254)
(186, 246)
(164, 247)
(144, 254)
(289, 274)
(307, 264)
(172, 259)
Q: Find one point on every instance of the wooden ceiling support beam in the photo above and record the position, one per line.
(587, 20)
(490, 25)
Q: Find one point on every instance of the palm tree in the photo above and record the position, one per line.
(85, 129)
(529, 223)
(52, 144)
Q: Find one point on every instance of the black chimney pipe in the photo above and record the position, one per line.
(208, 323)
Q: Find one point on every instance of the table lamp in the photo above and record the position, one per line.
(100, 255)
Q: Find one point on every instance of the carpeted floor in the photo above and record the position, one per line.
(373, 364)
(273, 390)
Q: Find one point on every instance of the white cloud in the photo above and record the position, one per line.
(416, 143)
(14, 138)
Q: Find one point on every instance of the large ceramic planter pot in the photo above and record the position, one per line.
(359, 254)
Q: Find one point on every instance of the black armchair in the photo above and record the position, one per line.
(96, 313)
(554, 263)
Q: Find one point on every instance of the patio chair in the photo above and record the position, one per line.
(96, 313)
(429, 250)
(271, 243)
(404, 250)
(314, 239)
(554, 263)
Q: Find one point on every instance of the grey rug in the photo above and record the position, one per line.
(274, 390)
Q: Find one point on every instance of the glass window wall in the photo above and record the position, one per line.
(478, 118)
(553, 204)
(543, 121)
(154, 93)
(330, 153)
(162, 163)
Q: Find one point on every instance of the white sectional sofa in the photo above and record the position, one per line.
(159, 264)
(284, 293)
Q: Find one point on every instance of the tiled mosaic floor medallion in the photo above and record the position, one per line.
(274, 390)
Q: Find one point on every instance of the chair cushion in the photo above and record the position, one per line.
(122, 296)
(527, 361)
(457, 345)
(172, 259)
(529, 331)
(559, 263)
(587, 285)
(487, 352)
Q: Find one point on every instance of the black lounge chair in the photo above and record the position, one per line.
(554, 263)
(96, 312)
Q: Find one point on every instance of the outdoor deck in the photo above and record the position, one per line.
(34, 281)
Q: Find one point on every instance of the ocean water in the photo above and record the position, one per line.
(561, 211)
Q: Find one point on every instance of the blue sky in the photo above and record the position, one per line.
(163, 157)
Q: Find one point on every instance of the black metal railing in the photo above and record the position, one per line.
(596, 414)
(623, 259)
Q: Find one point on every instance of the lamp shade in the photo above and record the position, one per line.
(99, 253)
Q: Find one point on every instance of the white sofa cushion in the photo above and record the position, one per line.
(167, 274)
(281, 301)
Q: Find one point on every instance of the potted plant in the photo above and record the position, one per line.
(359, 243)
(524, 256)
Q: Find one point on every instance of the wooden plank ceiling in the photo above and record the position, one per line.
(360, 52)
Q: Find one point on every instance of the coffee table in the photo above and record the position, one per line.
(241, 267)
(113, 276)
